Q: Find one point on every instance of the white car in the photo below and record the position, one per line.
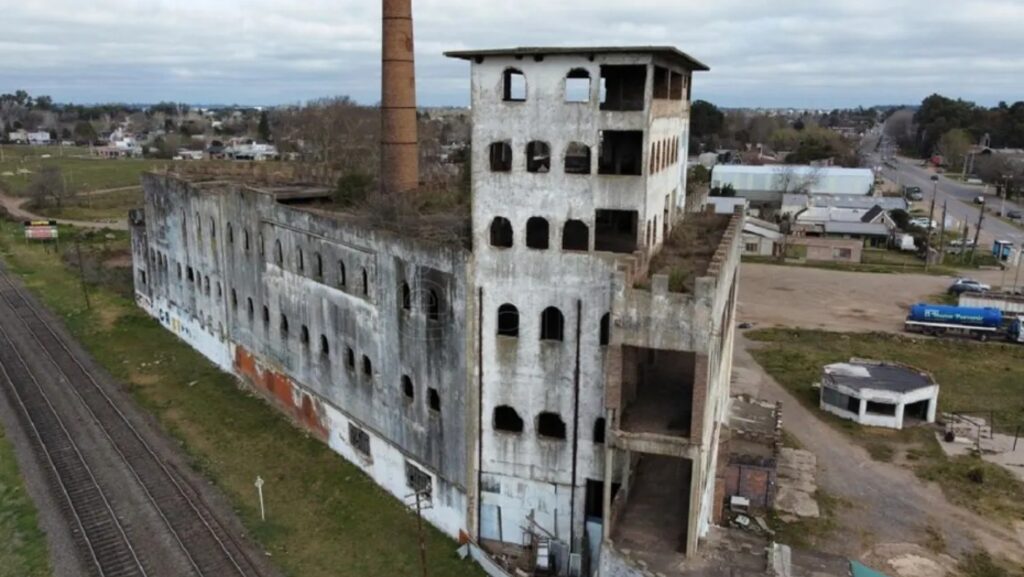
(963, 285)
(922, 222)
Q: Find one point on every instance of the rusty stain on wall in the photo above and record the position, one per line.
(301, 406)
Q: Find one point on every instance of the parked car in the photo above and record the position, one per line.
(980, 199)
(967, 285)
(913, 193)
(1015, 215)
(923, 222)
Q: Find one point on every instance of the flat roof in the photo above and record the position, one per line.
(668, 52)
(860, 375)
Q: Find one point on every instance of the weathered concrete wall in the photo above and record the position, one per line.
(371, 340)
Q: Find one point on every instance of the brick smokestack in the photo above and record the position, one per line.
(400, 165)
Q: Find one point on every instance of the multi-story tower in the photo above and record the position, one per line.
(578, 169)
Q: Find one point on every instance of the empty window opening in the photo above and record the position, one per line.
(341, 273)
(550, 425)
(661, 83)
(599, 431)
(538, 156)
(577, 86)
(606, 329)
(433, 305)
(406, 296)
(501, 156)
(676, 86)
(284, 325)
(359, 440)
(252, 311)
(231, 234)
(887, 409)
(142, 276)
(245, 239)
(537, 233)
(319, 266)
(367, 366)
(304, 335)
(302, 261)
(278, 252)
(206, 285)
(234, 299)
(366, 284)
(621, 152)
(434, 400)
(501, 232)
(508, 321)
(179, 271)
(213, 230)
(407, 388)
(660, 391)
(262, 247)
(417, 479)
(552, 325)
(577, 158)
(191, 275)
(623, 86)
(220, 292)
(325, 346)
(575, 235)
(513, 85)
(615, 230)
(266, 316)
(507, 419)
(350, 358)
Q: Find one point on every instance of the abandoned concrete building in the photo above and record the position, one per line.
(557, 382)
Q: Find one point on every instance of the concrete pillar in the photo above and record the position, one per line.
(862, 410)
(693, 512)
(899, 414)
(399, 166)
(932, 406)
(606, 499)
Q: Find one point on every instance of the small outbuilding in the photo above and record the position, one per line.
(879, 394)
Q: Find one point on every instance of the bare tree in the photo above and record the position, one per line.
(335, 131)
(788, 180)
(48, 186)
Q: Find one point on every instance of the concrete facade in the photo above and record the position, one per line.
(494, 372)
(878, 394)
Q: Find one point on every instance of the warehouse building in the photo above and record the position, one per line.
(766, 186)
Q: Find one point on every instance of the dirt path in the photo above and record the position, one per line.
(13, 205)
(888, 504)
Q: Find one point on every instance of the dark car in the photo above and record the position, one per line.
(1015, 215)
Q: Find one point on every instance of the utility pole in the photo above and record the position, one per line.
(931, 219)
(942, 234)
(81, 273)
(977, 231)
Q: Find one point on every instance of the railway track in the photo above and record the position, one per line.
(208, 546)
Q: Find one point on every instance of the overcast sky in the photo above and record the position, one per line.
(802, 53)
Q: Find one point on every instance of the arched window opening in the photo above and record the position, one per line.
(513, 85)
(231, 234)
(508, 320)
(577, 86)
(434, 400)
(577, 158)
(213, 229)
(278, 252)
(302, 260)
(319, 260)
(552, 325)
(537, 233)
(262, 247)
(501, 156)
(350, 359)
(501, 232)
(304, 335)
(606, 329)
(550, 425)
(406, 297)
(599, 430)
(252, 310)
(341, 273)
(366, 284)
(507, 419)
(284, 325)
(407, 388)
(325, 346)
(433, 305)
(575, 235)
(234, 300)
(266, 316)
(538, 156)
(367, 366)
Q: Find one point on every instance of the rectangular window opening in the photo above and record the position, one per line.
(615, 230)
(359, 440)
(623, 86)
(661, 83)
(622, 152)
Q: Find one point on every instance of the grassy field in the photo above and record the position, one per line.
(974, 377)
(99, 207)
(325, 517)
(22, 545)
(82, 172)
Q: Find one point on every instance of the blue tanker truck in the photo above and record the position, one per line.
(983, 323)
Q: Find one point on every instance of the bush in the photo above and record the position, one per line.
(353, 188)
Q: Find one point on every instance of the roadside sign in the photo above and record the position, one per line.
(41, 230)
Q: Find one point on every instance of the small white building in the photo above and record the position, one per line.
(878, 394)
(760, 236)
(39, 138)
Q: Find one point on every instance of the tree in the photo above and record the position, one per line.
(706, 120)
(84, 132)
(725, 191)
(264, 127)
(954, 146)
(44, 102)
(788, 181)
(48, 185)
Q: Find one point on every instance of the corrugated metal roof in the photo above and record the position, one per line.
(863, 228)
(668, 52)
(826, 180)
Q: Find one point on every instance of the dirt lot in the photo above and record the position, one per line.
(790, 296)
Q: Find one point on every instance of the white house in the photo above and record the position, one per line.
(878, 394)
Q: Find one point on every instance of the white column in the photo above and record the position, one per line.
(899, 414)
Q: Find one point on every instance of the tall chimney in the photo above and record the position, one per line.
(400, 165)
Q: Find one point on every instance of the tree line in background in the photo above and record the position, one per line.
(791, 137)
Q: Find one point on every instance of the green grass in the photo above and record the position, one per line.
(22, 545)
(82, 172)
(808, 533)
(974, 377)
(102, 207)
(324, 516)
